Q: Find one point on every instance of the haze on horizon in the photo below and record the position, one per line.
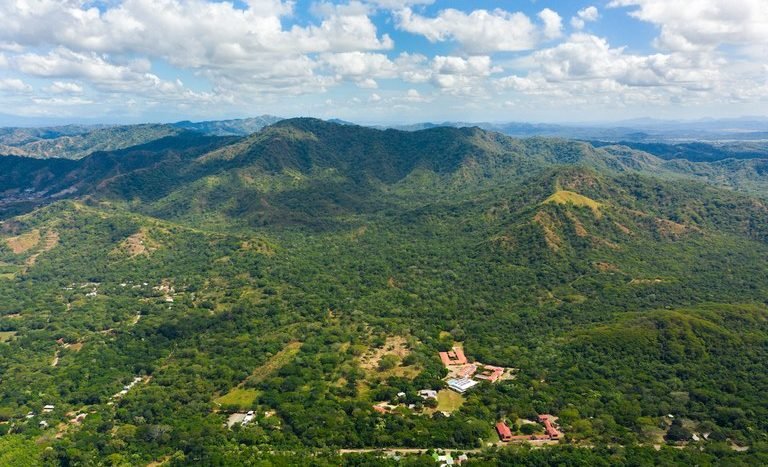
(382, 60)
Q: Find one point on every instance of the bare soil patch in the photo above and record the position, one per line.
(24, 242)
(394, 345)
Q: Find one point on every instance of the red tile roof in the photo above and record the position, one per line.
(467, 371)
(453, 357)
(548, 427)
(505, 434)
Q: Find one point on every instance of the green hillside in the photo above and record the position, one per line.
(313, 270)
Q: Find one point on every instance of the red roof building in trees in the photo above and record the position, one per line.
(453, 357)
(505, 434)
(552, 432)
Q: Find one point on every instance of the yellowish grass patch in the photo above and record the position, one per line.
(277, 361)
(575, 199)
(24, 242)
(449, 401)
(5, 336)
(242, 398)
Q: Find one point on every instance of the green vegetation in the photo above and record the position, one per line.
(239, 398)
(275, 362)
(575, 199)
(449, 401)
(314, 270)
(5, 336)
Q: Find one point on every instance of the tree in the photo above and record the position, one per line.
(677, 432)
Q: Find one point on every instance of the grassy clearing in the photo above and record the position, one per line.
(396, 346)
(570, 197)
(24, 242)
(449, 401)
(409, 372)
(242, 398)
(278, 360)
(5, 336)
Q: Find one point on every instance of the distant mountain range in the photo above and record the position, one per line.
(182, 158)
(77, 141)
(737, 138)
(642, 130)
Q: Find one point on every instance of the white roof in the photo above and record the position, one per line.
(461, 384)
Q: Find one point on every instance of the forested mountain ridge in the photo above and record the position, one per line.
(312, 270)
(78, 141)
(350, 158)
(75, 142)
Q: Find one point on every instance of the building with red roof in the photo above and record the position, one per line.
(505, 434)
(552, 432)
(468, 371)
(453, 357)
(491, 373)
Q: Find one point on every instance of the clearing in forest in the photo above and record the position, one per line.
(5, 336)
(275, 362)
(449, 401)
(138, 244)
(24, 242)
(240, 397)
(49, 243)
(395, 348)
(573, 198)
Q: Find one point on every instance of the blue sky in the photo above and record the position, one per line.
(382, 61)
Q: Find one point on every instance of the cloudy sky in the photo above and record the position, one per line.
(383, 60)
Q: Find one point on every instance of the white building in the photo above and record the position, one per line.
(461, 385)
(428, 394)
(248, 418)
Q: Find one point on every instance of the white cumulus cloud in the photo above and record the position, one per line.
(688, 25)
(14, 84)
(65, 87)
(553, 23)
(584, 16)
(483, 31)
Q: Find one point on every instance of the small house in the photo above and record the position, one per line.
(552, 432)
(428, 394)
(505, 434)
